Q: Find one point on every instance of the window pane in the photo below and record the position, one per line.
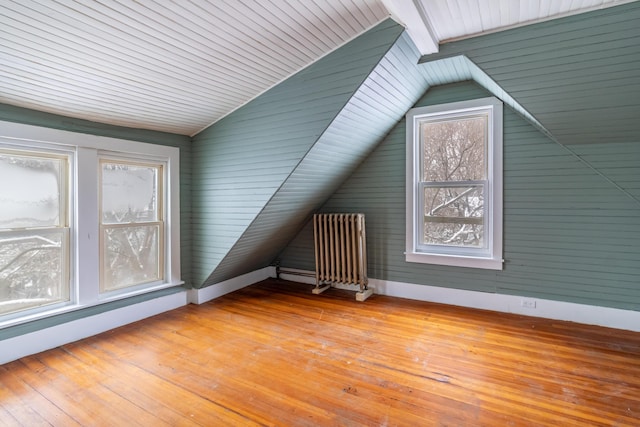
(454, 215)
(454, 150)
(131, 256)
(32, 269)
(30, 191)
(454, 234)
(129, 193)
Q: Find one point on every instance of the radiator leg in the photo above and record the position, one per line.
(363, 295)
(320, 289)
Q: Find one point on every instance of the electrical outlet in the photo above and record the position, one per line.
(528, 303)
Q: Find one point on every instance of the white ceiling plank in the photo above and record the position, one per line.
(87, 64)
(159, 43)
(109, 53)
(291, 20)
(346, 19)
(201, 58)
(180, 65)
(179, 33)
(268, 36)
(469, 21)
(372, 11)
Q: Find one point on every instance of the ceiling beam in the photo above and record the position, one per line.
(415, 19)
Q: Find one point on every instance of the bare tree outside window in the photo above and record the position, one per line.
(33, 231)
(453, 173)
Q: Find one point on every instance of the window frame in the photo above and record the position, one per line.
(489, 256)
(65, 212)
(161, 165)
(84, 240)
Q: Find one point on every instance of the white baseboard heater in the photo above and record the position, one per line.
(341, 252)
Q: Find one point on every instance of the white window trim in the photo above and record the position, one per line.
(85, 229)
(491, 259)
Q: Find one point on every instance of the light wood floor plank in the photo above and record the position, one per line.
(274, 354)
(32, 400)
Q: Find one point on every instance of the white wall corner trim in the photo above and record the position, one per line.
(199, 296)
(526, 306)
(65, 333)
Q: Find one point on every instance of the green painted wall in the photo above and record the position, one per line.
(578, 75)
(569, 235)
(259, 172)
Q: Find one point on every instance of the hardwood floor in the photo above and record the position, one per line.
(274, 354)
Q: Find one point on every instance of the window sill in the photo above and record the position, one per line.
(455, 260)
(61, 310)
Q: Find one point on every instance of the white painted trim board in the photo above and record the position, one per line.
(65, 333)
(544, 308)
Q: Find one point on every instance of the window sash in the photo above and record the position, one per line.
(448, 118)
(63, 184)
(159, 188)
(140, 276)
(145, 274)
(42, 290)
(422, 218)
(24, 286)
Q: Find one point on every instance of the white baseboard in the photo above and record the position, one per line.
(54, 336)
(199, 296)
(536, 307)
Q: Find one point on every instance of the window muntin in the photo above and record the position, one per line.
(454, 184)
(131, 224)
(34, 229)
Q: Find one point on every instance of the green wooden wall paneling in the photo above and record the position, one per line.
(569, 234)
(577, 75)
(377, 104)
(232, 159)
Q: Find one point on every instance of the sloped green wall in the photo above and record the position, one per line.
(569, 235)
(258, 170)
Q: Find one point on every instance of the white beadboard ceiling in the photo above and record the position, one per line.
(447, 20)
(180, 65)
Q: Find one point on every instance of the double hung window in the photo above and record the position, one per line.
(84, 220)
(131, 223)
(454, 184)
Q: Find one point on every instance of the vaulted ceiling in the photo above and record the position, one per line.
(181, 66)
